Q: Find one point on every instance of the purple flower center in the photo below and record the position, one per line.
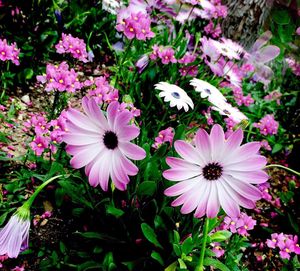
(207, 91)
(176, 95)
(110, 140)
(212, 171)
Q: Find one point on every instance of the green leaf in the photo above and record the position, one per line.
(177, 250)
(28, 73)
(277, 147)
(156, 256)
(176, 237)
(171, 267)
(188, 245)
(114, 211)
(99, 236)
(3, 218)
(150, 235)
(215, 263)
(182, 264)
(146, 188)
(89, 265)
(281, 17)
(220, 236)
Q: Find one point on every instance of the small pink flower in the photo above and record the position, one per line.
(267, 125)
(39, 144)
(166, 135)
(217, 249)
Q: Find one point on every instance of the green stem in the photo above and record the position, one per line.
(200, 266)
(283, 167)
(29, 202)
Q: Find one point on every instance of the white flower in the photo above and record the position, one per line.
(112, 6)
(175, 95)
(229, 48)
(227, 109)
(207, 90)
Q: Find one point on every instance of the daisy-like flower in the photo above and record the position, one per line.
(175, 95)
(102, 144)
(228, 48)
(207, 90)
(227, 109)
(15, 235)
(216, 172)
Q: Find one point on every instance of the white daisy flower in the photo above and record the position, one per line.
(207, 90)
(227, 109)
(175, 95)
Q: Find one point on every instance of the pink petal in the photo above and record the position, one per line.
(176, 162)
(72, 128)
(213, 204)
(255, 177)
(122, 119)
(112, 112)
(130, 168)
(245, 151)
(234, 141)
(193, 199)
(228, 204)
(179, 174)
(217, 139)
(239, 199)
(132, 151)
(119, 176)
(81, 139)
(203, 144)
(128, 133)
(256, 162)
(267, 53)
(94, 113)
(187, 152)
(245, 189)
(202, 204)
(181, 187)
(85, 156)
(81, 120)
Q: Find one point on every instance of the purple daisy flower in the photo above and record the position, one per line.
(216, 172)
(102, 144)
(15, 235)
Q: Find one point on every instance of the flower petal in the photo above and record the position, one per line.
(132, 151)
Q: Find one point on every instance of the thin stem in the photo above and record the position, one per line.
(29, 202)
(200, 266)
(283, 167)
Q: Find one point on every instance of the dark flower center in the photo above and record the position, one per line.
(110, 140)
(207, 91)
(212, 171)
(175, 95)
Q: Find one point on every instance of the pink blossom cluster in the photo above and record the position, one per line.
(9, 52)
(166, 54)
(101, 90)
(214, 30)
(238, 95)
(134, 25)
(298, 31)
(46, 134)
(230, 124)
(164, 136)
(264, 188)
(294, 65)
(38, 218)
(286, 243)
(75, 46)
(265, 144)
(240, 225)
(217, 249)
(208, 116)
(191, 70)
(60, 78)
(275, 95)
(267, 125)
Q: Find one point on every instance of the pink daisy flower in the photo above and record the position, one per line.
(216, 172)
(102, 144)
